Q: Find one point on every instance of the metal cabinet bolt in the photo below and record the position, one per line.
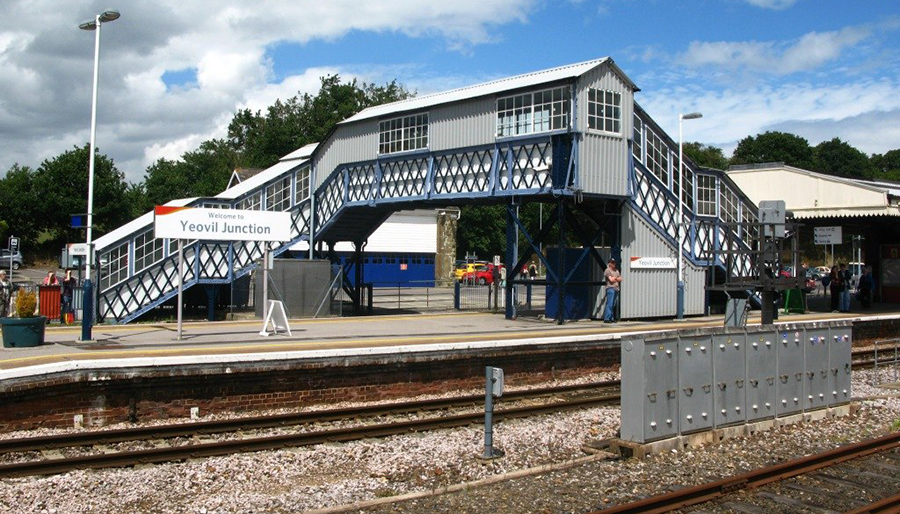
(737, 409)
(737, 345)
(652, 424)
(768, 343)
(721, 346)
(755, 407)
(768, 405)
(755, 345)
(688, 349)
(668, 421)
(703, 414)
(724, 411)
(689, 417)
(653, 354)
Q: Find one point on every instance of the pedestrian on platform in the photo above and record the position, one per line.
(502, 276)
(5, 294)
(836, 286)
(846, 277)
(68, 291)
(532, 271)
(865, 287)
(613, 279)
(50, 279)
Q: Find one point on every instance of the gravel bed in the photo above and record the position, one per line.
(329, 475)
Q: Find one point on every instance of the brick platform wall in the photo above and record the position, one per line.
(116, 395)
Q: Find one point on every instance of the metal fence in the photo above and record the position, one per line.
(889, 371)
(476, 297)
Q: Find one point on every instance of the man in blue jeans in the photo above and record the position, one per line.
(613, 279)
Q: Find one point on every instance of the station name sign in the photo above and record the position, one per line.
(653, 263)
(220, 224)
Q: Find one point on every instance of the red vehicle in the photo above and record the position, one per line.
(483, 274)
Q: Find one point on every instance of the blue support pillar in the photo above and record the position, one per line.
(561, 265)
(512, 258)
(212, 292)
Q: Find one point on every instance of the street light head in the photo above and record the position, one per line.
(107, 16)
(88, 25)
(691, 116)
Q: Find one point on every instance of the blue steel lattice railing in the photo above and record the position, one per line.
(523, 166)
(659, 205)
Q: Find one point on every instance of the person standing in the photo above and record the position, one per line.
(613, 279)
(50, 279)
(834, 283)
(845, 291)
(502, 276)
(865, 287)
(5, 294)
(532, 271)
(68, 291)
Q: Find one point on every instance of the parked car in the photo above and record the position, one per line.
(465, 267)
(5, 260)
(483, 274)
(823, 271)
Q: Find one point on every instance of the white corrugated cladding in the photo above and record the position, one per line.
(812, 195)
(652, 292)
(404, 232)
(129, 229)
(603, 156)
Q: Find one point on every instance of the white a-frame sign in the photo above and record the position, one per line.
(277, 318)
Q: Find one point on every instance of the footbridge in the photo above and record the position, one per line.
(572, 137)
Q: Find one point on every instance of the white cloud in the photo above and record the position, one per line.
(772, 4)
(809, 52)
(864, 113)
(46, 65)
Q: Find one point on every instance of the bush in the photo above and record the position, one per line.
(26, 304)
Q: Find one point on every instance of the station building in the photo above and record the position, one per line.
(572, 137)
(866, 208)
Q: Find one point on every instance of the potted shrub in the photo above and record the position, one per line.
(26, 329)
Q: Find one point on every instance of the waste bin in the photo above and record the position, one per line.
(49, 301)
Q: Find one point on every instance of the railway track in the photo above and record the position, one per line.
(858, 478)
(208, 449)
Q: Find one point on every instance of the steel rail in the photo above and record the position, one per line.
(705, 492)
(157, 455)
(278, 420)
(890, 505)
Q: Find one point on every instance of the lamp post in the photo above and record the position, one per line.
(87, 319)
(679, 309)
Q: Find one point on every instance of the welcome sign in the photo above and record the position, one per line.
(220, 224)
(653, 263)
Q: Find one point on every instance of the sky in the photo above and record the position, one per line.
(174, 72)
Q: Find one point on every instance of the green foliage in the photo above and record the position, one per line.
(26, 304)
(790, 149)
(261, 139)
(481, 230)
(17, 198)
(706, 156)
(202, 172)
(887, 166)
(838, 158)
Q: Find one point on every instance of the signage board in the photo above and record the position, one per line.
(828, 235)
(221, 224)
(13, 244)
(653, 263)
(77, 249)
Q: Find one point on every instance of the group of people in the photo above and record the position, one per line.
(839, 281)
(69, 283)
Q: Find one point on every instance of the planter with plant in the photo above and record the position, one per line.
(26, 329)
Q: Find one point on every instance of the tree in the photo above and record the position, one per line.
(260, 140)
(481, 230)
(202, 172)
(838, 158)
(706, 156)
(885, 166)
(775, 147)
(60, 186)
(18, 203)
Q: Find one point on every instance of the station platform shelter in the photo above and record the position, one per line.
(868, 213)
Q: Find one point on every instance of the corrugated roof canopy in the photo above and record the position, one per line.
(811, 195)
(489, 88)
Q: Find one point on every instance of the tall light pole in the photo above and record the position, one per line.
(679, 218)
(87, 319)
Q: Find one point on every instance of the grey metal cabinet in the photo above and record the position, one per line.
(695, 384)
(761, 371)
(729, 378)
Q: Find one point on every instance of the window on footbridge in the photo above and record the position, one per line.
(539, 111)
(114, 266)
(302, 188)
(251, 203)
(403, 134)
(605, 110)
(278, 195)
(657, 157)
(706, 195)
(147, 250)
